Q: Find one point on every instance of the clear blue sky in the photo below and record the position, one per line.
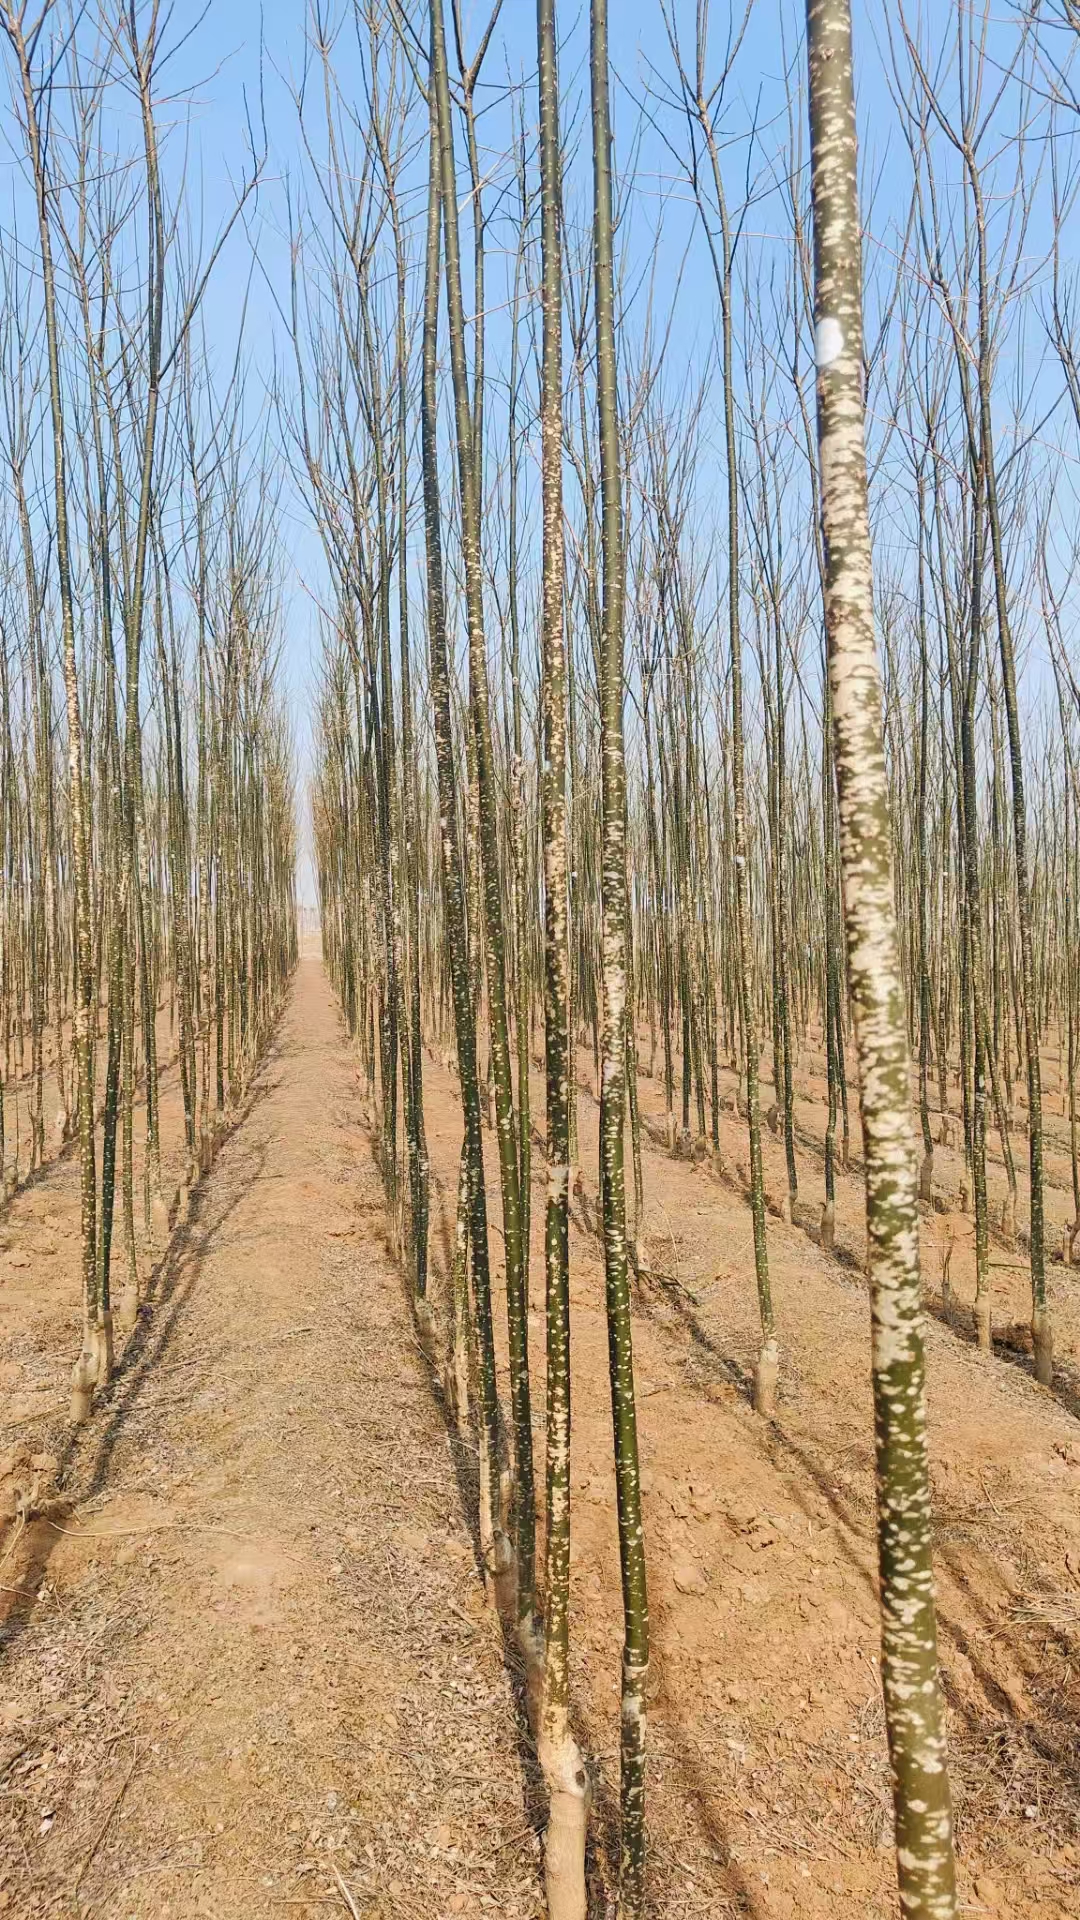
(247, 57)
(242, 49)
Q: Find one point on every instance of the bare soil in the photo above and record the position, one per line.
(246, 1664)
(768, 1773)
(249, 1671)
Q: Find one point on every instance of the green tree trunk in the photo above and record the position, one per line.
(564, 1771)
(614, 980)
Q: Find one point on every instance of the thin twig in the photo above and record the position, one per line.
(346, 1895)
(106, 1823)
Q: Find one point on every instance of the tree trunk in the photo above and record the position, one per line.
(914, 1708)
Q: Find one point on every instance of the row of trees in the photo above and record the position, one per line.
(667, 802)
(147, 837)
(715, 678)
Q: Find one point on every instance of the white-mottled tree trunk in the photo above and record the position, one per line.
(913, 1702)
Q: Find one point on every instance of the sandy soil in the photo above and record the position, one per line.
(249, 1670)
(768, 1786)
(246, 1665)
(948, 1232)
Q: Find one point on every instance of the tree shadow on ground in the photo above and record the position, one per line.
(464, 1456)
(1004, 1747)
(85, 1453)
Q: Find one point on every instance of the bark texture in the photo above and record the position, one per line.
(913, 1699)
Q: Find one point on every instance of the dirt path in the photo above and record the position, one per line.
(262, 1680)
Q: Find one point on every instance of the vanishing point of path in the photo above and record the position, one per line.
(262, 1681)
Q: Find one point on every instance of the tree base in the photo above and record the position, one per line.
(422, 1316)
(459, 1387)
(766, 1380)
(827, 1231)
(127, 1313)
(569, 1798)
(83, 1375)
(104, 1349)
(1042, 1342)
(983, 1324)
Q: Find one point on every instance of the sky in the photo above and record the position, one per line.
(244, 61)
(244, 52)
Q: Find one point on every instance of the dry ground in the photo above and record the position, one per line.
(250, 1670)
(768, 1775)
